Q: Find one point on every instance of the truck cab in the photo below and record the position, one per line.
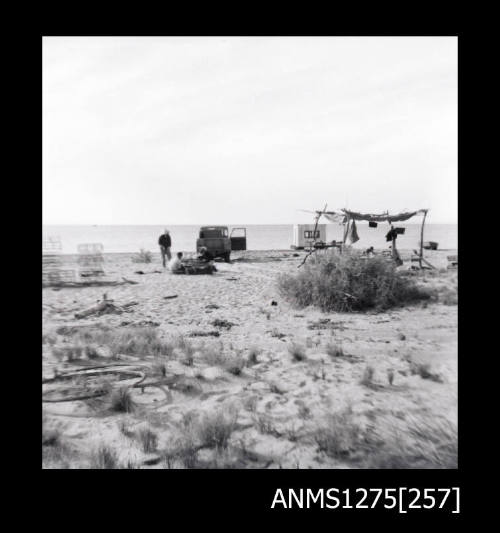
(219, 242)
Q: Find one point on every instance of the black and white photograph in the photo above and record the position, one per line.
(249, 252)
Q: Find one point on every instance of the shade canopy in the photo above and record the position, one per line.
(344, 214)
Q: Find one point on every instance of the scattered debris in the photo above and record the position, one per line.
(106, 306)
(275, 333)
(322, 323)
(204, 334)
(221, 323)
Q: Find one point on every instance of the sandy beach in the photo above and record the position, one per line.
(277, 404)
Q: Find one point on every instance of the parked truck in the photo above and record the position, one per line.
(219, 242)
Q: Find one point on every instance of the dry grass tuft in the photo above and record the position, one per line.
(424, 371)
(121, 400)
(148, 440)
(334, 350)
(341, 436)
(214, 430)
(139, 341)
(253, 355)
(104, 458)
(297, 351)
(235, 365)
(214, 355)
(159, 368)
(144, 256)
(367, 378)
(426, 443)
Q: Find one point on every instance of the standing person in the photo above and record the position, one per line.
(165, 243)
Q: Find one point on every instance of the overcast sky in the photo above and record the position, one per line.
(247, 130)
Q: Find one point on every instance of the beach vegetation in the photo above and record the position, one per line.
(348, 282)
(144, 256)
(297, 351)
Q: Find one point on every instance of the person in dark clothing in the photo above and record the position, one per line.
(206, 257)
(392, 235)
(165, 243)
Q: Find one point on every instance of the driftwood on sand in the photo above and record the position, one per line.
(92, 283)
(104, 307)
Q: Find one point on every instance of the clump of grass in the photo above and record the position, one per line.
(214, 355)
(253, 355)
(214, 430)
(265, 425)
(121, 400)
(276, 333)
(448, 296)
(367, 378)
(334, 350)
(138, 341)
(50, 436)
(91, 352)
(144, 256)
(148, 439)
(425, 372)
(297, 351)
(49, 338)
(304, 412)
(427, 443)
(187, 454)
(73, 352)
(159, 367)
(55, 453)
(251, 403)
(346, 282)
(188, 349)
(341, 436)
(104, 458)
(124, 430)
(234, 365)
(275, 389)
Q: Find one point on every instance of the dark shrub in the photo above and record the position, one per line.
(349, 282)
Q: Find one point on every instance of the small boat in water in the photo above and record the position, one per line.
(430, 245)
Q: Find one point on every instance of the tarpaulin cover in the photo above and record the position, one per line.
(336, 218)
(384, 217)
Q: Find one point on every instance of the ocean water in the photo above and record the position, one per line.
(118, 239)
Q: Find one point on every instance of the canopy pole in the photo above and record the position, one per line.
(313, 249)
(422, 240)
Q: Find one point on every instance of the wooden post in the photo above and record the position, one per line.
(393, 243)
(422, 240)
(316, 225)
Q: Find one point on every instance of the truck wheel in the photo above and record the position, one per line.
(227, 257)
